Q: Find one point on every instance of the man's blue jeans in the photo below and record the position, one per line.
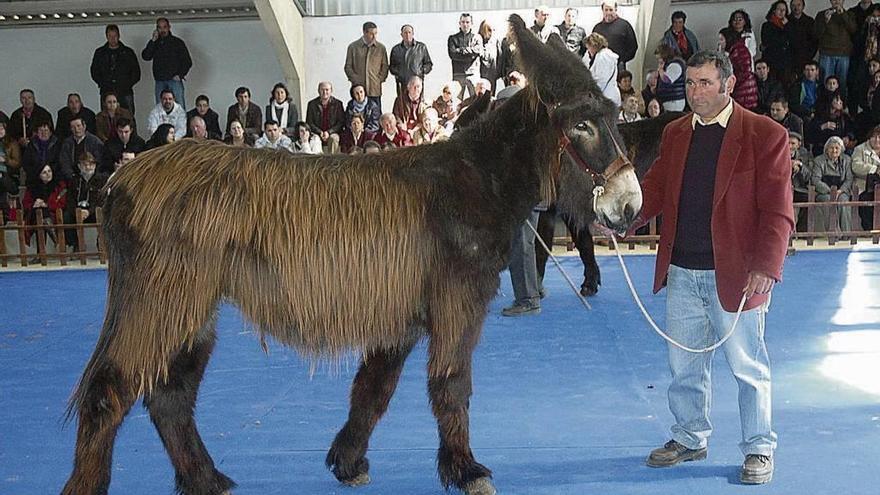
(695, 318)
(176, 87)
(834, 65)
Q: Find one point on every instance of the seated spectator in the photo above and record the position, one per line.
(209, 116)
(84, 194)
(480, 86)
(779, 112)
(26, 119)
(602, 63)
(654, 108)
(10, 169)
(390, 132)
(356, 150)
(447, 104)
(305, 143)
(624, 85)
(354, 134)
(44, 149)
(237, 136)
(47, 193)
(74, 109)
(372, 147)
(272, 138)
(670, 78)
(198, 130)
(865, 167)
(430, 130)
(870, 115)
(801, 175)
(830, 120)
(326, 117)
(110, 114)
(164, 134)
(246, 112)
(769, 87)
(79, 142)
(282, 109)
(4, 119)
(630, 110)
(408, 107)
(803, 94)
(126, 157)
(745, 90)
(650, 90)
(832, 168)
(126, 141)
(829, 88)
(167, 111)
(367, 108)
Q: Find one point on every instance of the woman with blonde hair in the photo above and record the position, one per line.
(430, 130)
(602, 63)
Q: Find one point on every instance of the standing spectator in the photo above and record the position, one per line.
(354, 135)
(429, 130)
(80, 141)
(245, 111)
(745, 92)
(326, 117)
(864, 62)
(366, 63)
(776, 41)
(507, 62)
(272, 137)
(167, 111)
(171, 61)
(491, 54)
(681, 38)
(769, 88)
(10, 171)
(804, 93)
(649, 92)
(465, 49)
(125, 141)
(409, 58)
(619, 33)
(603, 65)
(74, 109)
(115, 69)
(870, 114)
(26, 119)
(212, 119)
(409, 106)
(112, 113)
(237, 136)
(834, 30)
(801, 176)
(447, 104)
(833, 168)
(541, 27)
(741, 23)
(572, 34)
(670, 78)
(801, 30)
(305, 142)
(779, 112)
(865, 167)
(46, 193)
(360, 104)
(83, 194)
(164, 134)
(43, 149)
(282, 109)
(390, 133)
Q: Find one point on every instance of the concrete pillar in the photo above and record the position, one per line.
(284, 26)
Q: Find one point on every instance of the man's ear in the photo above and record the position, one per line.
(731, 82)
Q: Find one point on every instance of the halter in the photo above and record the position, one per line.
(599, 178)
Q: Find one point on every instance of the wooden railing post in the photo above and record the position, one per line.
(81, 235)
(876, 224)
(60, 241)
(811, 213)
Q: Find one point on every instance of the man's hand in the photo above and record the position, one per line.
(759, 283)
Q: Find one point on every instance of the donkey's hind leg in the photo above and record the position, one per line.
(171, 404)
(371, 392)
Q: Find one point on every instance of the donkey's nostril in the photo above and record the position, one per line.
(629, 213)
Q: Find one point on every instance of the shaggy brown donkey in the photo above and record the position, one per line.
(333, 253)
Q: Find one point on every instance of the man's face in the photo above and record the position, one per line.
(325, 91)
(811, 72)
(243, 99)
(168, 101)
(197, 126)
(202, 107)
(797, 7)
(625, 84)
(273, 132)
(164, 28)
(480, 88)
(113, 38)
(44, 133)
(414, 89)
(571, 17)
(127, 156)
(77, 128)
(706, 93)
(389, 125)
(762, 70)
(357, 125)
(124, 133)
(87, 167)
(631, 105)
(74, 104)
(794, 144)
(27, 99)
(370, 35)
(677, 25)
(778, 111)
(609, 12)
(836, 4)
(407, 35)
(540, 17)
(464, 23)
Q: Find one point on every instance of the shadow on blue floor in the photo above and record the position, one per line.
(567, 402)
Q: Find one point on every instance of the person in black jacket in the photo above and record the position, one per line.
(409, 58)
(619, 33)
(776, 41)
(212, 119)
(171, 61)
(115, 69)
(74, 110)
(125, 141)
(26, 119)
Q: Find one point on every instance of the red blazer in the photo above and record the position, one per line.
(752, 213)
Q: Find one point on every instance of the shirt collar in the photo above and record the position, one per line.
(721, 119)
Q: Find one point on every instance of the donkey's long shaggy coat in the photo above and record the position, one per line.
(325, 254)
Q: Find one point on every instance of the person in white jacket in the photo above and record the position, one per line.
(167, 111)
(602, 63)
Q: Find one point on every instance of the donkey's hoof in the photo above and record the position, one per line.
(480, 486)
(359, 480)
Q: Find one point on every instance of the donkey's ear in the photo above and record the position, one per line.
(555, 42)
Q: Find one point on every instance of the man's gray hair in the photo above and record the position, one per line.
(716, 57)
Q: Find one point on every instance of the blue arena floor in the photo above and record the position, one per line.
(567, 402)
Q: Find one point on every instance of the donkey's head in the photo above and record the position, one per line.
(594, 173)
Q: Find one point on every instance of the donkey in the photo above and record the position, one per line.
(330, 254)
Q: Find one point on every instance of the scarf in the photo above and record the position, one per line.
(280, 110)
(42, 148)
(682, 42)
(358, 107)
(777, 21)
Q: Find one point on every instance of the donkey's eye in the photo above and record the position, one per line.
(586, 127)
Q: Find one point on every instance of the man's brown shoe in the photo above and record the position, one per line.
(673, 453)
(757, 469)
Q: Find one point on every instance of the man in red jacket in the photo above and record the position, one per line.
(723, 184)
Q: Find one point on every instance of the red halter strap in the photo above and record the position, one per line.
(599, 178)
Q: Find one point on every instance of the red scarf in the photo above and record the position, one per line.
(682, 41)
(777, 21)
